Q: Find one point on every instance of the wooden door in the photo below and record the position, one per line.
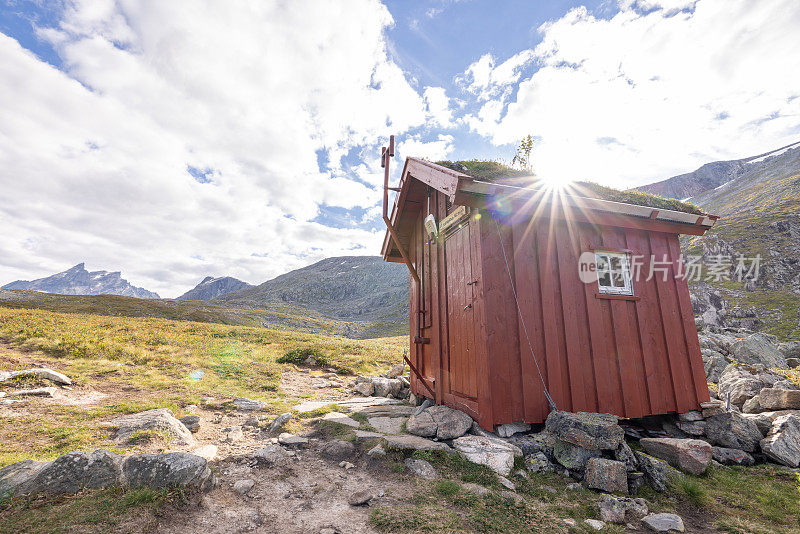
(461, 368)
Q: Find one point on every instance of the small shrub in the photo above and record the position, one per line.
(692, 489)
(447, 488)
(298, 356)
(139, 496)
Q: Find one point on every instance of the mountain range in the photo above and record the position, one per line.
(352, 296)
(360, 292)
(212, 287)
(78, 281)
(758, 201)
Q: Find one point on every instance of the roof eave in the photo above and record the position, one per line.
(479, 188)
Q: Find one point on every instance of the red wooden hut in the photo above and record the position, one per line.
(500, 314)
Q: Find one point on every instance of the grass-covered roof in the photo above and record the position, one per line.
(493, 171)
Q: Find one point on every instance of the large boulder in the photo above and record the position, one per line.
(338, 450)
(539, 463)
(533, 443)
(657, 473)
(606, 475)
(756, 349)
(663, 523)
(386, 387)
(492, 453)
(714, 363)
(727, 456)
(625, 454)
(790, 349)
(75, 471)
(15, 476)
(160, 420)
(172, 469)
(743, 382)
(732, 430)
(752, 405)
(572, 456)
(689, 455)
(439, 421)
(248, 405)
(621, 509)
(764, 420)
(416, 443)
(779, 399)
(782, 444)
(69, 473)
(592, 431)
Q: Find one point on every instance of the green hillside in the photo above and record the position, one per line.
(758, 212)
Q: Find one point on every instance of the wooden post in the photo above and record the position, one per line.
(385, 155)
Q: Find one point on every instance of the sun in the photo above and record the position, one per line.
(554, 183)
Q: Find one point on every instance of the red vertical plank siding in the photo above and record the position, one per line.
(460, 253)
(689, 329)
(484, 358)
(468, 332)
(573, 302)
(502, 343)
(626, 336)
(671, 323)
(526, 271)
(557, 372)
(651, 335)
(602, 347)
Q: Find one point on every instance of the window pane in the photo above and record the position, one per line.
(605, 280)
(616, 264)
(602, 262)
(619, 280)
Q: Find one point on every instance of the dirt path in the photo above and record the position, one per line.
(308, 494)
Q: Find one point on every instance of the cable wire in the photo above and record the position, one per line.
(522, 320)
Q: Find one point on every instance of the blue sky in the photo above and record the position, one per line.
(174, 140)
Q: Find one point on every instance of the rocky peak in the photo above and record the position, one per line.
(211, 287)
(78, 281)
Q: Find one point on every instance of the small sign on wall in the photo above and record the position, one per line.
(458, 214)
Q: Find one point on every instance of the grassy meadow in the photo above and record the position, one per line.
(147, 362)
(144, 363)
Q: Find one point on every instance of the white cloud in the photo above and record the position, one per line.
(656, 90)
(430, 150)
(94, 159)
(487, 80)
(438, 105)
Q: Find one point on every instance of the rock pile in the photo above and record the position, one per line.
(40, 374)
(393, 384)
(381, 386)
(75, 471)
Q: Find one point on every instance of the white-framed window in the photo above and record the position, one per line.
(613, 273)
